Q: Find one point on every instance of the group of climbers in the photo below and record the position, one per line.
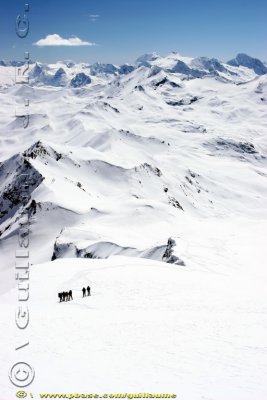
(66, 296)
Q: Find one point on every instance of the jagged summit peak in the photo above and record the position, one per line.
(41, 149)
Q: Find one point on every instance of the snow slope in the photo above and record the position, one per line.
(148, 327)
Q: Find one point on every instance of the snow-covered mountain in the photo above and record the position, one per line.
(142, 176)
(244, 60)
(140, 141)
(80, 80)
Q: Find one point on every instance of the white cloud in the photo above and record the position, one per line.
(57, 40)
(94, 17)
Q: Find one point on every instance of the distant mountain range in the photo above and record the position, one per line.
(69, 73)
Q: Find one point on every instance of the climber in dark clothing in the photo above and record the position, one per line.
(60, 297)
(88, 291)
(70, 295)
(84, 292)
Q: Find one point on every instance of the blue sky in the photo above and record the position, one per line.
(125, 29)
